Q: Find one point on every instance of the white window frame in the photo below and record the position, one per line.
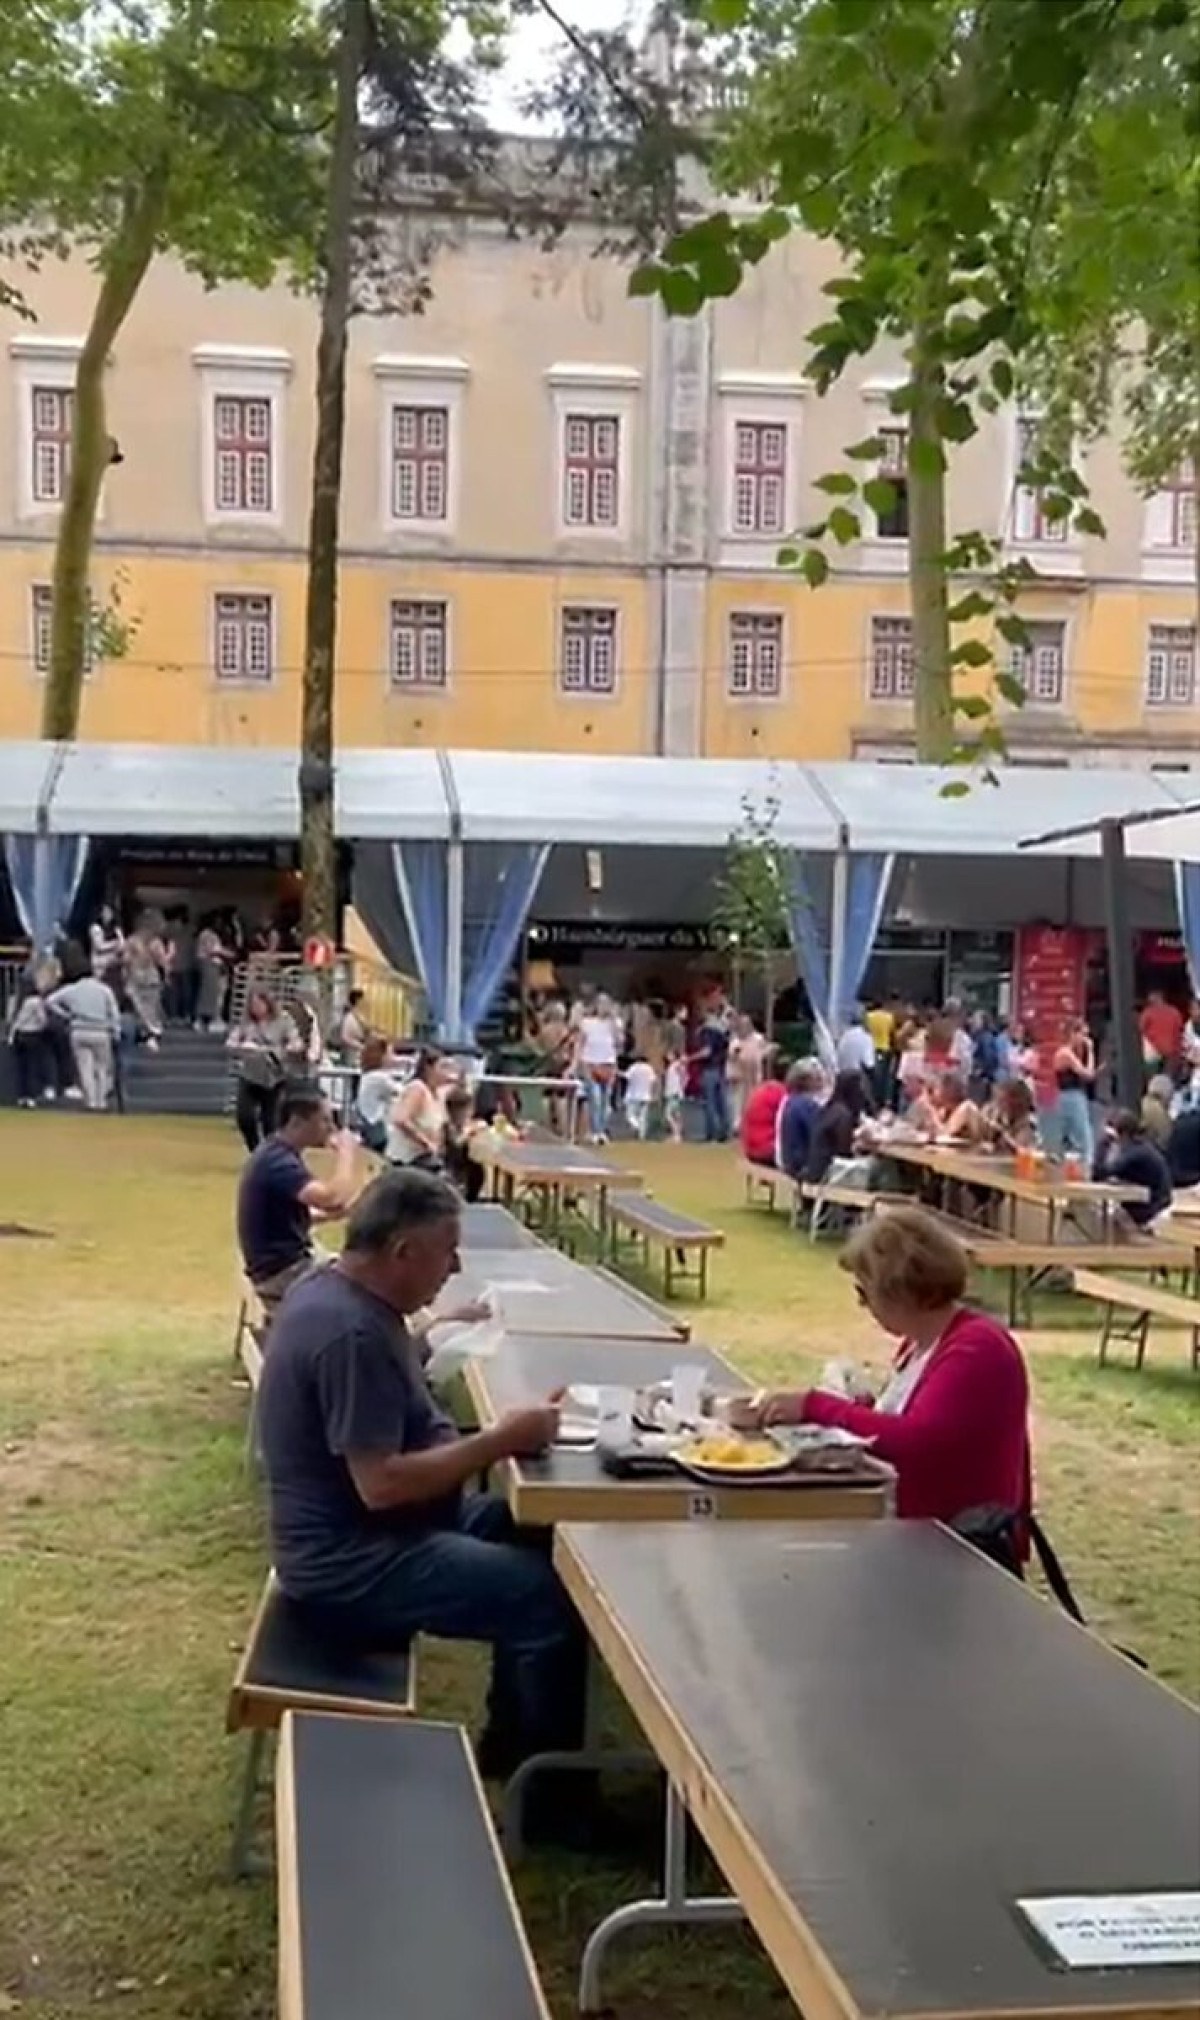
(242, 372)
(417, 689)
(586, 695)
(755, 613)
(421, 382)
(246, 684)
(878, 556)
(888, 700)
(598, 392)
(38, 361)
(1033, 703)
(1162, 559)
(1168, 706)
(1050, 557)
(758, 399)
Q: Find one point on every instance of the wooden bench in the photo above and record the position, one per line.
(1028, 1262)
(285, 1666)
(393, 1896)
(764, 1182)
(1145, 1301)
(648, 1224)
(250, 1330)
(850, 1198)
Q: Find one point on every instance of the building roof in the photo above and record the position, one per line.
(111, 789)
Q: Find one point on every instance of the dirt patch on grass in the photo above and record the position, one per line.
(57, 1465)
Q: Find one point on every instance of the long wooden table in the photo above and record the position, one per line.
(540, 1290)
(886, 1743)
(488, 1226)
(1053, 1194)
(569, 1485)
(554, 1171)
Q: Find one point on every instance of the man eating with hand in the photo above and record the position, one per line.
(376, 1529)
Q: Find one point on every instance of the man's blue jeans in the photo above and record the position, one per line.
(599, 1105)
(715, 1095)
(485, 1580)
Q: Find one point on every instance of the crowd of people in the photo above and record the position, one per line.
(970, 1080)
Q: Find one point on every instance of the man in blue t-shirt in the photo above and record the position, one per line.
(373, 1527)
(278, 1195)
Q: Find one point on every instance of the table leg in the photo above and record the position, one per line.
(590, 1758)
(676, 1908)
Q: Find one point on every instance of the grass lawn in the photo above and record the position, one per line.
(131, 1545)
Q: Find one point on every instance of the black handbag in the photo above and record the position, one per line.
(996, 1532)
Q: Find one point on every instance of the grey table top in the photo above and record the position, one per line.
(488, 1226)
(540, 1290)
(886, 1742)
(569, 1484)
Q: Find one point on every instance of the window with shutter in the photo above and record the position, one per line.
(243, 634)
(420, 462)
(243, 477)
(893, 469)
(891, 659)
(1031, 525)
(1171, 666)
(418, 644)
(41, 614)
(588, 657)
(1040, 666)
(52, 411)
(758, 480)
(591, 470)
(756, 654)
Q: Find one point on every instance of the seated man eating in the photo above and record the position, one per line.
(278, 1195)
(374, 1530)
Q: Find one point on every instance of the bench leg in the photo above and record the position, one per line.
(1106, 1326)
(676, 1908)
(244, 1866)
(703, 1274)
(1143, 1332)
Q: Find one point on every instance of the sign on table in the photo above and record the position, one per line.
(1106, 1931)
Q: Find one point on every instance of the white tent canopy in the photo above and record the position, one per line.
(633, 802)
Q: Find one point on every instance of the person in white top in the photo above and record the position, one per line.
(106, 943)
(417, 1124)
(675, 1094)
(856, 1048)
(641, 1086)
(596, 1051)
(745, 1066)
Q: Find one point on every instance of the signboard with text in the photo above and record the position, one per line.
(1051, 987)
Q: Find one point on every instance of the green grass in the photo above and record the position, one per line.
(131, 1544)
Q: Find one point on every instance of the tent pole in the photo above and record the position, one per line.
(1128, 1061)
(838, 900)
(455, 877)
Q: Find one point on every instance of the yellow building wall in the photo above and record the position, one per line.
(503, 689)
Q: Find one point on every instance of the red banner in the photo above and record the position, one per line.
(1051, 989)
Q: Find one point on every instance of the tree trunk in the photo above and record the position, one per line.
(928, 586)
(70, 612)
(318, 856)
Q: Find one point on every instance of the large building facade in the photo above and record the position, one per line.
(560, 524)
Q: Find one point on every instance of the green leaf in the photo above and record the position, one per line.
(844, 525)
(971, 705)
(719, 273)
(954, 789)
(972, 652)
(866, 451)
(838, 483)
(955, 421)
(787, 557)
(880, 496)
(707, 235)
(1013, 628)
(926, 459)
(973, 604)
(1012, 689)
(1088, 521)
(1003, 378)
(647, 279)
(682, 294)
(814, 567)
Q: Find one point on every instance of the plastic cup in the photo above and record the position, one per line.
(687, 1390)
(614, 1416)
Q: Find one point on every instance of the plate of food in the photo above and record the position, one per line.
(732, 1455)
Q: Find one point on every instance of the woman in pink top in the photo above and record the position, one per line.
(953, 1417)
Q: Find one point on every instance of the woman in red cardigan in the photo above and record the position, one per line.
(953, 1419)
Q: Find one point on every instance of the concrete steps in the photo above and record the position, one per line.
(188, 1075)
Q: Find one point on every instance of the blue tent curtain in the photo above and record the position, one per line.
(420, 870)
(45, 872)
(1187, 894)
(835, 920)
(500, 884)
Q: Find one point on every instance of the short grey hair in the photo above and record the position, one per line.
(805, 1073)
(395, 1204)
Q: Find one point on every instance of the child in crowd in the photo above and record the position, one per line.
(641, 1087)
(675, 1091)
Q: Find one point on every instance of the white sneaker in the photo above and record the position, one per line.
(152, 1045)
(217, 1029)
(73, 1094)
(50, 1094)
